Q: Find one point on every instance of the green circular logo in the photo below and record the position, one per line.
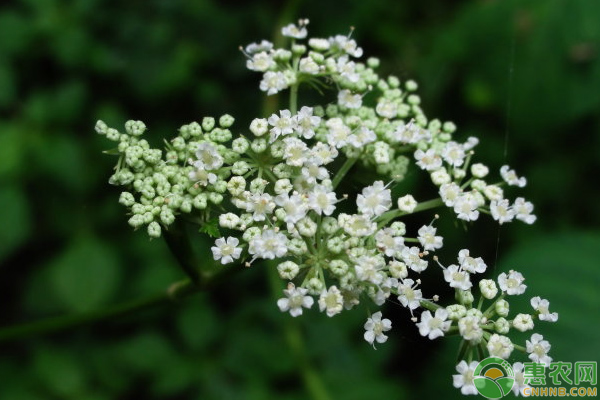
(494, 378)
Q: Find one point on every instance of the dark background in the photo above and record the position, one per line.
(524, 76)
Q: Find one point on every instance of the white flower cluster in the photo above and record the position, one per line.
(274, 192)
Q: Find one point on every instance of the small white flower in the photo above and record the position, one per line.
(523, 322)
(226, 250)
(538, 349)
(523, 210)
(347, 69)
(254, 48)
(408, 294)
(273, 82)
(374, 200)
(374, 328)
(428, 239)
(510, 177)
(440, 177)
(542, 307)
(457, 278)
(337, 132)
(500, 346)
(260, 204)
(501, 211)
(412, 257)
(434, 327)
(295, 151)
(306, 122)
(260, 62)
(519, 385)
(512, 283)
(471, 264)
(294, 207)
(319, 44)
(363, 136)
(370, 269)
(407, 204)
(347, 45)
(331, 301)
(349, 100)
(321, 200)
(479, 170)
(208, 158)
(454, 154)
(428, 160)
(358, 225)
(269, 244)
(470, 329)
(294, 31)
(295, 299)
(465, 378)
(450, 193)
(465, 207)
(389, 243)
(282, 124)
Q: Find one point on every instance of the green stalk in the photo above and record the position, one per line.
(343, 171)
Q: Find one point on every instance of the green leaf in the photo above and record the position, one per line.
(211, 228)
(85, 275)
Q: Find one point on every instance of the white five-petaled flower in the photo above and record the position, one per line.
(434, 326)
(321, 200)
(293, 31)
(273, 82)
(512, 283)
(331, 301)
(510, 177)
(520, 385)
(306, 122)
(464, 380)
(374, 328)
(226, 250)
(408, 294)
(471, 264)
(269, 245)
(349, 100)
(538, 349)
(374, 200)
(502, 211)
(457, 278)
(542, 307)
(428, 239)
(523, 210)
(208, 158)
(295, 299)
(282, 124)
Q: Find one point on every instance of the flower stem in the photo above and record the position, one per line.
(343, 171)
(425, 205)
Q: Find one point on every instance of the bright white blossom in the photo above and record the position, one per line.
(434, 326)
(542, 307)
(512, 283)
(465, 378)
(295, 300)
(331, 301)
(374, 200)
(374, 328)
(226, 250)
(500, 346)
(538, 349)
(510, 177)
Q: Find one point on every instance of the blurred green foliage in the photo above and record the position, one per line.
(524, 76)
